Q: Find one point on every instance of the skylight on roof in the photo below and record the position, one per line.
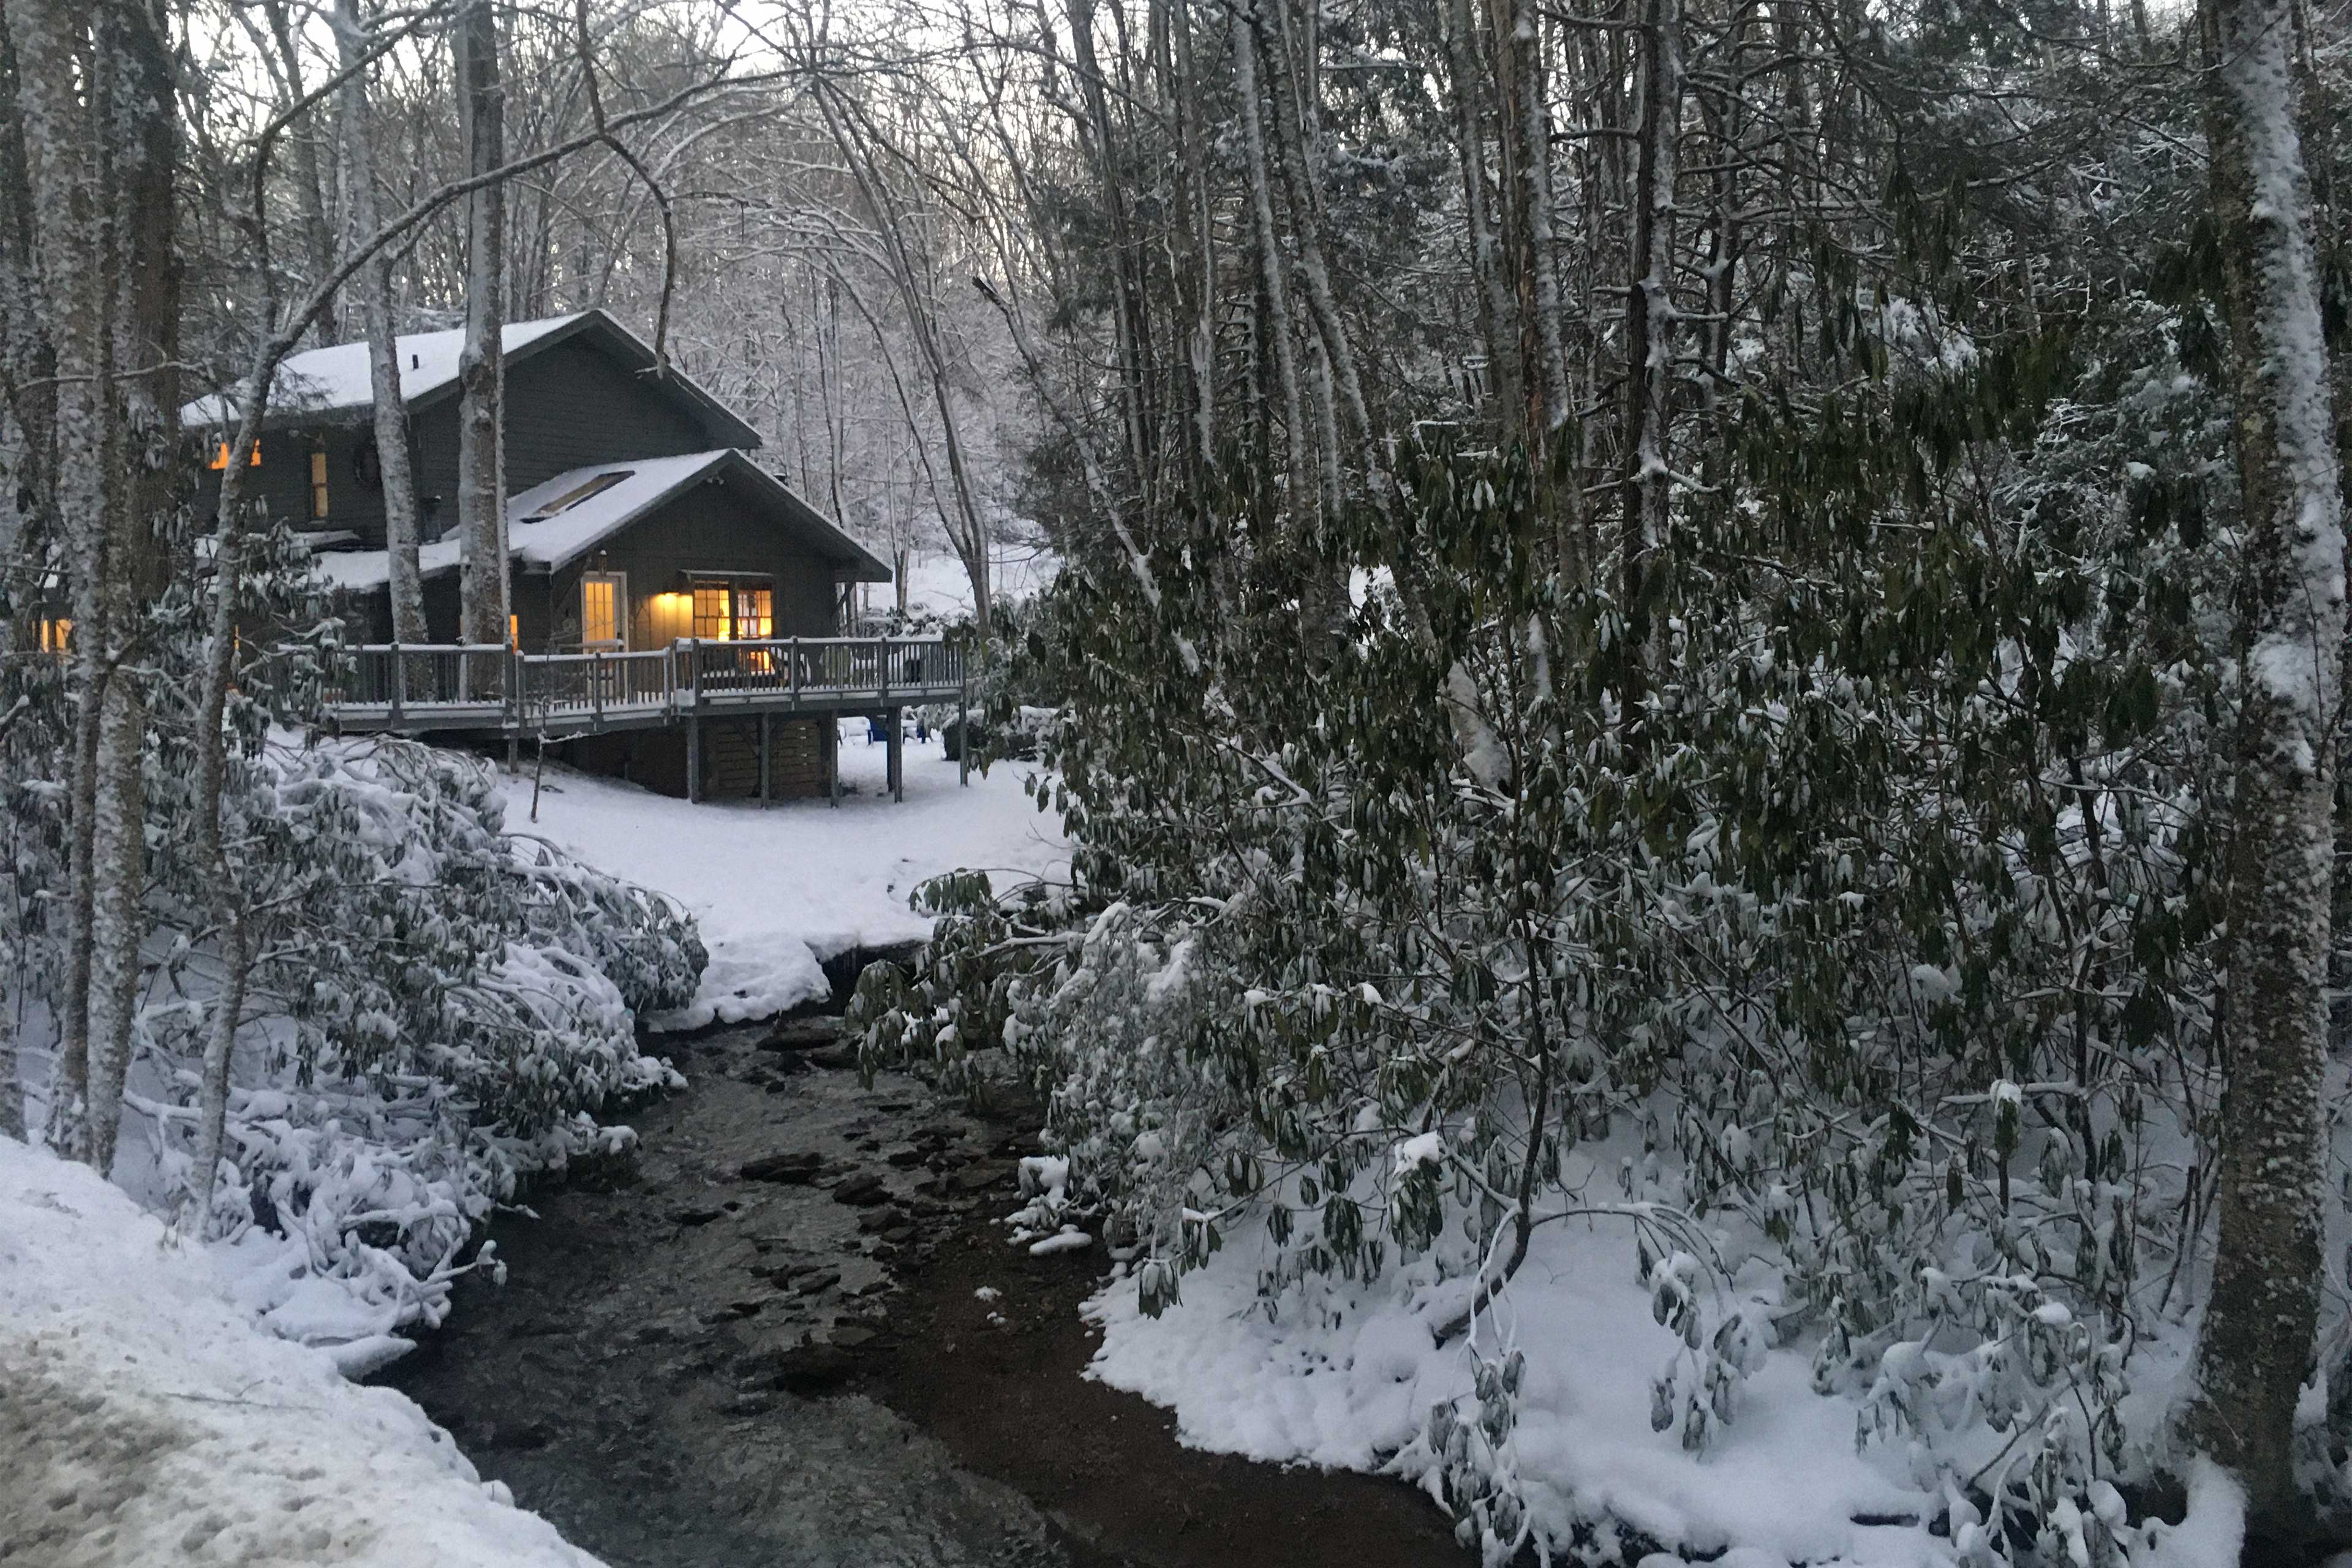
(579, 493)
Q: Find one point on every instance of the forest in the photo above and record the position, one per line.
(1699, 639)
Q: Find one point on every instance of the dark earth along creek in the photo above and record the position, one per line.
(757, 1344)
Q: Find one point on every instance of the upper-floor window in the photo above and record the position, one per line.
(318, 483)
(220, 457)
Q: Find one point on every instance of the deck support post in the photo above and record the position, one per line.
(514, 751)
(766, 725)
(693, 758)
(896, 754)
(833, 753)
(963, 732)
(399, 684)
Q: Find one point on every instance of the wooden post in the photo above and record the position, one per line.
(399, 682)
(766, 727)
(833, 751)
(793, 653)
(894, 754)
(596, 686)
(693, 757)
(963, 732)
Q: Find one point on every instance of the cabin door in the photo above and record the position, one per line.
(604, 610)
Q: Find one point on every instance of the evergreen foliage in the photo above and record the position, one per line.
(1854, 885)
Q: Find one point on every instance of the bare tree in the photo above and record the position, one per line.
(97, 90)
(481, 367)
(373, 285)
(2259, 1328)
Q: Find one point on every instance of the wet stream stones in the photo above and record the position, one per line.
(672, 1371)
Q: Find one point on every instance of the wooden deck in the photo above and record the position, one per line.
(449, 687)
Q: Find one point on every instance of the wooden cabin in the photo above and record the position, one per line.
(637, 522)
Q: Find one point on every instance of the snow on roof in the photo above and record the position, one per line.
(639, 485)
(336, 380)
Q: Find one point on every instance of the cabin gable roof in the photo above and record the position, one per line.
(331, 385)
(545, 535)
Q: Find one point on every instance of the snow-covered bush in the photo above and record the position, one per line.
(435, 1009)
(444, 1007)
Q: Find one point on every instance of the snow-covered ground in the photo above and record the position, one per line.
(147, 1421)
(936, 580)
(1347, 1379)
(776, 890)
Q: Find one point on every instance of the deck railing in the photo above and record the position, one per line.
(461, 686)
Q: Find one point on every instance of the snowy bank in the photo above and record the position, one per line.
(1345, 1374)
(148, 1421)
(775, 891)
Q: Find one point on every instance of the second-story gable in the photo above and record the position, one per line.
(579, 389)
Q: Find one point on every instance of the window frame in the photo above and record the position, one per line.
(320, 497)
(619, 641)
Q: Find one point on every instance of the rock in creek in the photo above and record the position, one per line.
(862, 1190)
(803, 1369)
(799, 1167)
(802, 1035)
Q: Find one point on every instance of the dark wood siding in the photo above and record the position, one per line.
(799, 758)
(571, 406)
(282, 482)
(706, 528)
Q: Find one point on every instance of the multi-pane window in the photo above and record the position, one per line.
(733, 613)
(53, 632)
(220, 457)
(318, 483)
(754, 612)
(714, 611)
(601, 598)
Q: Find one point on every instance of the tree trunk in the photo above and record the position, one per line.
(2260, 1326)
(317, 234)
(1526, 141)
(481, 470)
(373, 287)
(1649, 337)
(220, 1050)
(1496, 314)
(101, 153)
(1271, 264)
(118, 864)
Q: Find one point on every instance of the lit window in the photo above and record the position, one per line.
(574, 496)
(714, 611)
(601, 598)
(754, 616)
(220, 457)
(514, 631)
(318, 483)
(727, 614)
(53, 632)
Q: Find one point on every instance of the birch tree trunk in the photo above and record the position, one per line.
(65, 284)
(2256, 1348)
(373, 285)
(481, 375)
(98, 98)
